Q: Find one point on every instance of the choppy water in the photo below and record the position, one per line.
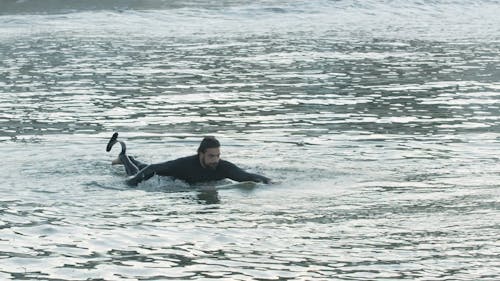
(379, 119)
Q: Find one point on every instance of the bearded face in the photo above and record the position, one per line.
(210, 158)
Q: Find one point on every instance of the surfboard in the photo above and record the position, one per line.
(236, 185)
(246, 185)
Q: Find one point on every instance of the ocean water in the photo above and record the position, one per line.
(378, 120)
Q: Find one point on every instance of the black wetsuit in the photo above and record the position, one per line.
(188, 169)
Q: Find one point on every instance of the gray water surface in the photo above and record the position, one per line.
(378, 120)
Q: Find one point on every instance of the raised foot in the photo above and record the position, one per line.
(111, 142)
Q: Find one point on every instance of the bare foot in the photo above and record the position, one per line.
(117, 161)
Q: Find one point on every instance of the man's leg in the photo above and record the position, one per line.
(138, 163)
(130, 167)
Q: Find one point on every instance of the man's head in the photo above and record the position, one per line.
(209, 152)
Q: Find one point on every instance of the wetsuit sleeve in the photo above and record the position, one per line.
(163, 169)
(235, 173)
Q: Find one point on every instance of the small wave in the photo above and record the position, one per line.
(375, 7)
(66, 6)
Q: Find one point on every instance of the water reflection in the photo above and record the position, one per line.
(382, 123)
(381, 88)
(208, 197)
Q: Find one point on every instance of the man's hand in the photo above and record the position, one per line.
(266, 180)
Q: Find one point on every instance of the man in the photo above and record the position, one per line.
(205, 166)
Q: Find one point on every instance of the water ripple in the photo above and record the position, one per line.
(378, 119)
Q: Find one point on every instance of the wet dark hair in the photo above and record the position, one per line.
(208, 142)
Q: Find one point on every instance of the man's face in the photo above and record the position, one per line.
(210, 159)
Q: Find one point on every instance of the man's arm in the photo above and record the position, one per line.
(165, 169)
(237, 174)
